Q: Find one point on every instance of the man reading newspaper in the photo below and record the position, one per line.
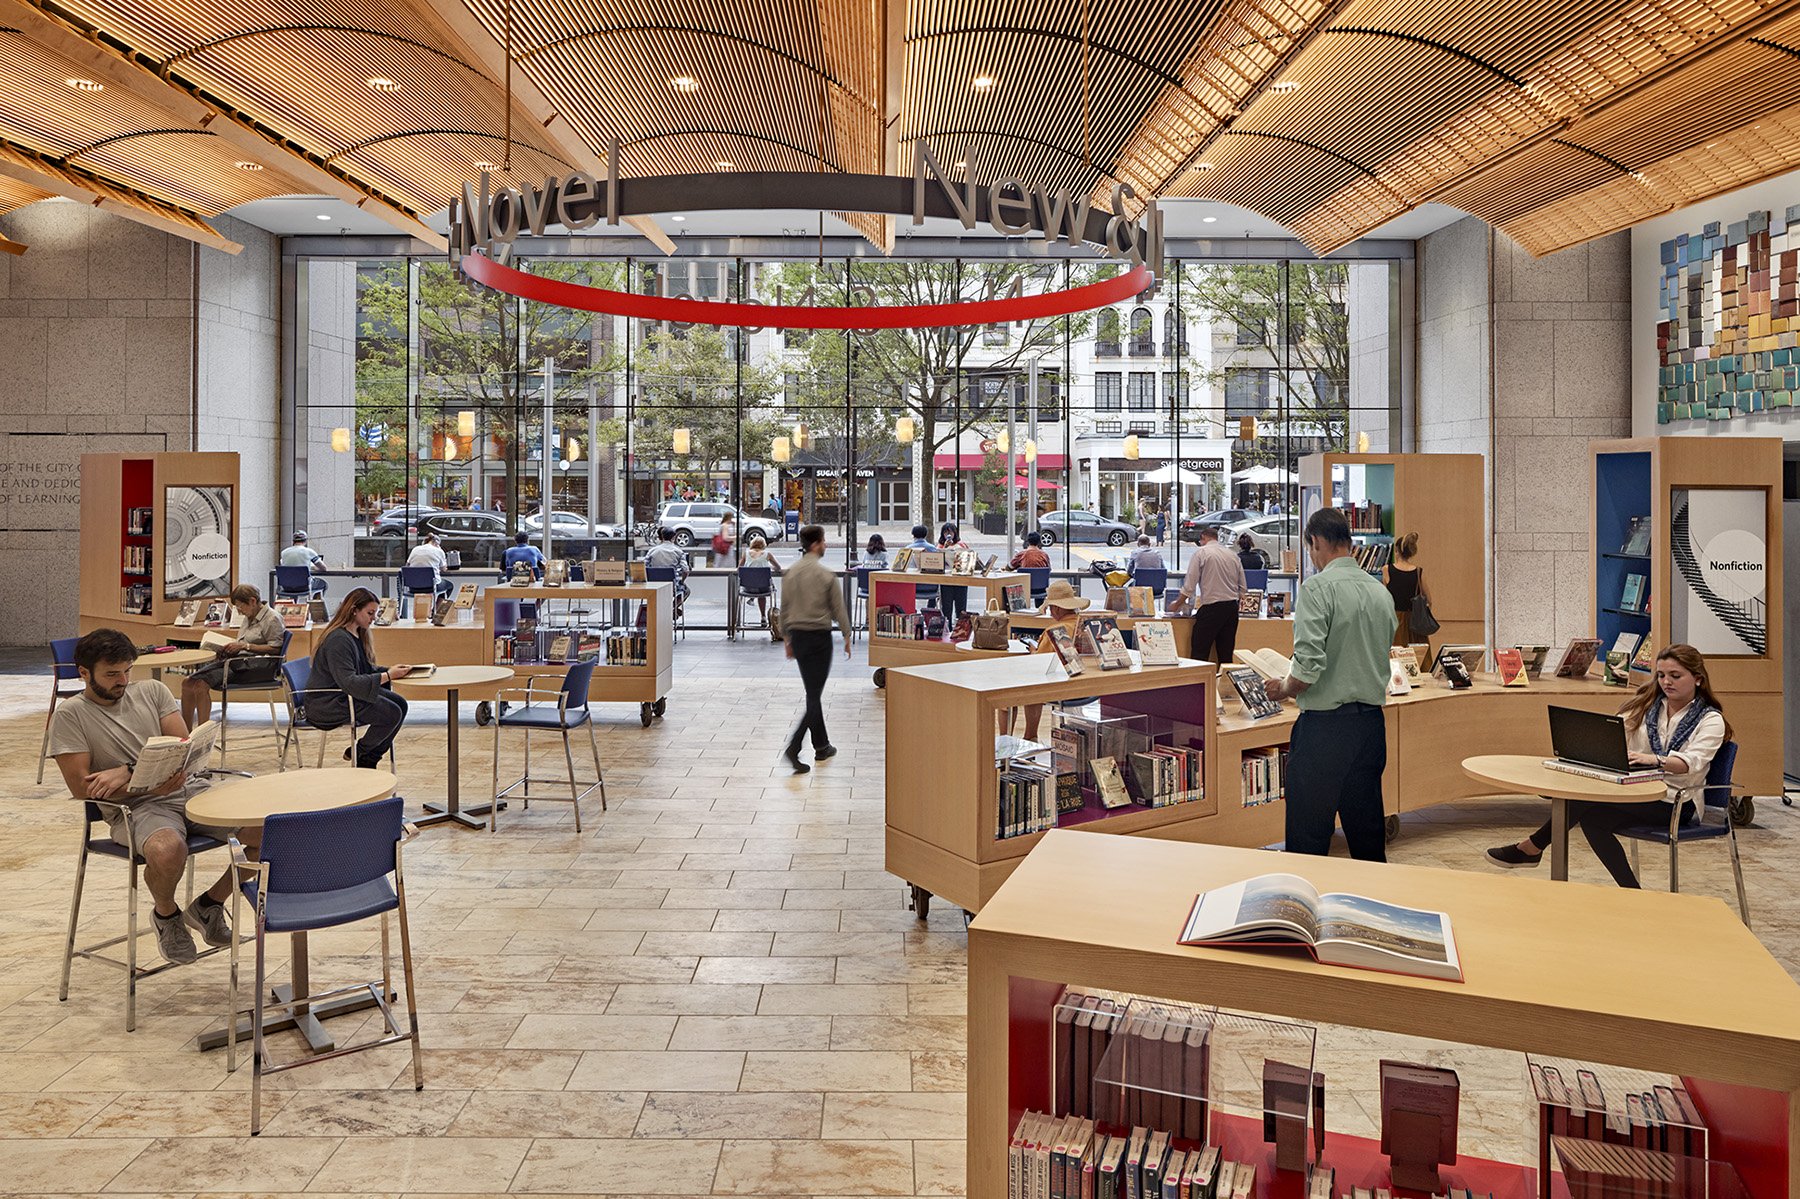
(97, 738)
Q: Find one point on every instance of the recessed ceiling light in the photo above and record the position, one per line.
(684, 83)
(1207, 220)
(961, 166)
(725, 166)
(982, 82)
(248, 166)
(382, 83)
(324, 216)
(678, 218)
(1284, 85)
(1203, 166)
(484, 166)
(86, 85)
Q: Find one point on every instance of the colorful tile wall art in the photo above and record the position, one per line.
(1728, 338)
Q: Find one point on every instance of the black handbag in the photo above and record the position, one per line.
(1423, 623)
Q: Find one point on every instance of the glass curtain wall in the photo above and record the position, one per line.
(1197, 396)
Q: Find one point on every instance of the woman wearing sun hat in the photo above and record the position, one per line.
(1063, 606)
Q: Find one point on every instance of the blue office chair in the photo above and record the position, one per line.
(65, 681)
(570, 711)
(105, 845)
(321, 870)
(1040, 583)
(1154, 577)
(253, 673)
(1716, 794)
(1256, 580)
(295, 582)
(755, 582)
(298, 677)
(666, 574)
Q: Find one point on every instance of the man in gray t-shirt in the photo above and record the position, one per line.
(95, 738)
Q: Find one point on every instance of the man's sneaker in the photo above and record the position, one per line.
(209, 918)
(173, 939)
(826, 754)
(1511, 857)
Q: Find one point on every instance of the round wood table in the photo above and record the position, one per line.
(178, 659)
(1524, 774)
(247, 804)
(448, 683)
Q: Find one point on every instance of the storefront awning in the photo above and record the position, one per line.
(977, 461)
(1043, 483)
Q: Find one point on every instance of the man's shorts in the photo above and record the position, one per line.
(150, 816)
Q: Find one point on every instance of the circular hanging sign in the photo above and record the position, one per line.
(484, 225)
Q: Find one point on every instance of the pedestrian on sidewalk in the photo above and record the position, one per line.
(811, 601)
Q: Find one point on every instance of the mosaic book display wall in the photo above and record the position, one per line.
(1730, 305)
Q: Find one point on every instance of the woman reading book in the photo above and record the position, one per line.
(1674, 724)
(344, 670)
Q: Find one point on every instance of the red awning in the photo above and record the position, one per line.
(977, 461)
(1043, 483)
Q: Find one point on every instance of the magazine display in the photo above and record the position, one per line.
(1064, 642)
(1249, 687)
(1337, 928)
(1111, 643)
(1156, 642)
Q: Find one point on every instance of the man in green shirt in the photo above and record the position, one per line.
(1343, 626)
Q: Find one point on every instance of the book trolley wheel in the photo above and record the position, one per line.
(921, 901)
(484, 714)
(646, 713)
(660, 706)
(1390, 828)
(881, 676)
(1743, 810)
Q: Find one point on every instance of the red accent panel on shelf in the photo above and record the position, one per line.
(1359, 1162)
(1748, 1127)
(1029, 1034)
(137, 489)
(904, 596)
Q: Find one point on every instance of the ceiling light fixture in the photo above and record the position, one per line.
(86, 85)
(678, 218)
(1284, 85)
(982, 83)
(1207, 220)
(324, 216)
(725, 166)
(1203, 166)
(685, 83)
(382, 83)
(484, 166)
(248, 166)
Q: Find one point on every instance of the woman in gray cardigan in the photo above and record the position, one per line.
(344, 665)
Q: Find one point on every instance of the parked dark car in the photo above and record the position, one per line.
(1078, 524)
(401, 521)
(480, 537)
(1190, 529)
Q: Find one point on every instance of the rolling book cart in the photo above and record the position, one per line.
(628, 627)
(898, 589)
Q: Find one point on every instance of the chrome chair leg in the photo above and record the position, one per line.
(231, 984)
(1674, 866)
(594, 744)
(1737, 874)
(387, 968)
(131, 940)
(275, 728)
(494, 807)
(256, 1031)
(406, 969)
(526, 777)
(574, 790)
(81, 861)
(44, 749)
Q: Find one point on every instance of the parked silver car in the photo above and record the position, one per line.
(1271, 534)
(698, 523)
(1078, 524)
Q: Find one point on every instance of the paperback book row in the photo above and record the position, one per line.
(137, 560)
(1364, 517)
(137, 521)
(1654, 1135)
(529, 645)
(1265, 775)
(134, 600)
(1374, 556)
(937, 562)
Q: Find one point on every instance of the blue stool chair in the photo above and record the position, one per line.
(417, 580)
(1155, 578)
(1716, 794)
(569, 712)
(755, 582)
(862, 597)
(320, 870)
(1040, 583)
(1256, 580)
(105, 845)
(250, 672)
(297, 675)
(666, 574)
(65, 681)
(295, 582)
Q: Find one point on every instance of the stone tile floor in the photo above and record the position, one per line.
(713, 990)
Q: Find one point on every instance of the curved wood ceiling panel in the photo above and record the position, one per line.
(1555, 121)
(15, 195)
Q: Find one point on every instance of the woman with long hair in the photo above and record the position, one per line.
(1674, 723)
(344, 669)
(953, 600)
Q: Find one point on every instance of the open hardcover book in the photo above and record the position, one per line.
(1336, 928)
(163, 757)
(1269, 663)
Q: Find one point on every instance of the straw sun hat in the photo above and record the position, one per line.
(1061, 595)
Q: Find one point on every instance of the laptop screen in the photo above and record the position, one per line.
(1591, 738)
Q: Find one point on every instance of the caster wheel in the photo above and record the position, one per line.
(881, 677)
(1743, 811)
(484, 714)
(660, 706)
(1787, 801)
(921, 902)
(646, 712)
(968, 917)
(1391, 828)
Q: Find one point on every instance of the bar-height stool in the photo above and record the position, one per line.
(297, 675)
(570, 712)
(269, 687)
(62, 674)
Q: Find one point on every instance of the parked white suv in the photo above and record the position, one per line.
(698, 523)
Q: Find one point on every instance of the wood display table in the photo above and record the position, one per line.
(899, 589)
(597, 608)
(180, 659)
(1639, 979)
(247, 804)
(943, 786)
(448, 683)
(1524, 774)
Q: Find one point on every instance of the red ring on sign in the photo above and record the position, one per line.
(527, 286)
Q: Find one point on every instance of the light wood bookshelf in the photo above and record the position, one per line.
(647, 685)
(112, 484)
(1618, 983)
(899, 587)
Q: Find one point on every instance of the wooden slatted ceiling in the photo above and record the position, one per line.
(782, 85)
(301, 68)
(15, 195)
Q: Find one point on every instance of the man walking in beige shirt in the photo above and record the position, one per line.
(811, 601)
(1215, 583)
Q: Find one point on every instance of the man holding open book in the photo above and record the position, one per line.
(102, 740)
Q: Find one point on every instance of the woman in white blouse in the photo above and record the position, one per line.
(1673, 724)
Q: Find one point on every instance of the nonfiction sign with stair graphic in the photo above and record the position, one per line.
(1719, 585)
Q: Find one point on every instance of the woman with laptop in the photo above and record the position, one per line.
(1673, 724)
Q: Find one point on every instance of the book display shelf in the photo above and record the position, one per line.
(1644, 492)
(948, 767)
(899, 636)
(629, 628)
(1437, 496)
(1084, 920)
(129, 535)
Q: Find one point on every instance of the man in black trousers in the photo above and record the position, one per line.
(811, 601)
(1215, 584)
(1343, 626)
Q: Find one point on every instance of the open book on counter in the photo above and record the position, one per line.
(1339, 929)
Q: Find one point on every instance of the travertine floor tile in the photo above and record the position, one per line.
(840, 1167)
(466, 1164)
(635, 1167)
(775, 1115)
